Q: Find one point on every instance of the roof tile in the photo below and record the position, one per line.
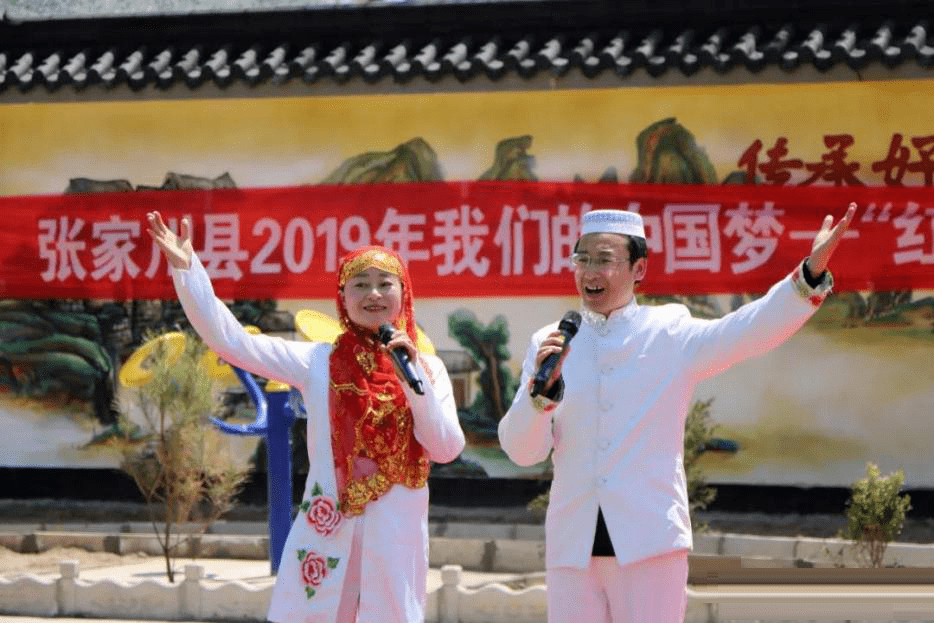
(751, 48)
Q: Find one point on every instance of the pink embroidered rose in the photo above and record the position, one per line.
(314, 569)
(323, 515)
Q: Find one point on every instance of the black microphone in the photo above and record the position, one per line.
(401, 357)
(568, 326)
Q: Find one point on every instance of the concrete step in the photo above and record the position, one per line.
(489, 548)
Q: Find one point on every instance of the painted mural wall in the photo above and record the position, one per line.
(851, 387)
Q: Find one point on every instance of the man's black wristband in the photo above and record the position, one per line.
(556, 391)
(809, 277)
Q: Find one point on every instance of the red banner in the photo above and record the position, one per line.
(460, 239)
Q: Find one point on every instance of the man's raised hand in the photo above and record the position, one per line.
(827, 239)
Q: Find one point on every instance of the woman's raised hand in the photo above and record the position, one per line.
(177, 248)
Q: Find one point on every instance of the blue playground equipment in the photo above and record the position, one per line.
(274, 418)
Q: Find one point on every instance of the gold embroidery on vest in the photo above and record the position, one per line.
(392, 463)
(366, 360)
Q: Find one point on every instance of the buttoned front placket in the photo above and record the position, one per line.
(606, 401)
(609, 338)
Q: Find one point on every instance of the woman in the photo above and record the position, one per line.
(358, 548)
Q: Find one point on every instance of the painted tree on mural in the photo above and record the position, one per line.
(879, 304)
(412, 161)
(487, 345)
(668, 154)
(512, 161)
(416, 161)
(52, 350)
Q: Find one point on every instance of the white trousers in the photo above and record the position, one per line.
(647, 591)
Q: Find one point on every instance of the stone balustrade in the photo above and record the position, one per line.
(198, 598)
(746, 578)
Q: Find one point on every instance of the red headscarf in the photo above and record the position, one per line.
(370, 416)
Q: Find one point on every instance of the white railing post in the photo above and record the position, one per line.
(67, 587)
(713, 613)
(190, 605)
(450, 596)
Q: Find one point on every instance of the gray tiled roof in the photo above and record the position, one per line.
(197, 56)
(19, 10)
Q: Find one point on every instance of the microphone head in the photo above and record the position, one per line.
(385, 332)
(570, 323)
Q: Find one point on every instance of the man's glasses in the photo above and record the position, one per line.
(584, 261)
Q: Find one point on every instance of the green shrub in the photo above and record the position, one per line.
(876, 513)
(698, 431)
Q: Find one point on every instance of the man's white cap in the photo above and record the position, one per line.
(613, 222)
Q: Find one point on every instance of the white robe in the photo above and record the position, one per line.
(618, 432)
(393, 529)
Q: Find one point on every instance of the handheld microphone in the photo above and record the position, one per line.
(402, 360)
(570, 323)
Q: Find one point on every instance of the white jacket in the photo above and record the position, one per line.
(618, 432)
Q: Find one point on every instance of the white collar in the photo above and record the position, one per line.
(616, 316)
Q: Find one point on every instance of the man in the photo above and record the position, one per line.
(618, 529)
